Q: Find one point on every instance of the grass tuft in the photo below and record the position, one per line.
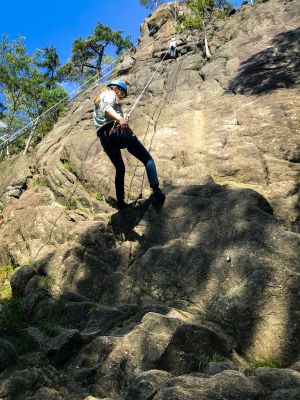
(264, 364)
(204, 360)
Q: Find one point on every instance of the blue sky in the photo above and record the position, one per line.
(59, 22)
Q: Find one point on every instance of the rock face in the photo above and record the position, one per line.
(179, 301)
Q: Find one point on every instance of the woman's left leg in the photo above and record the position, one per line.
(137, 149)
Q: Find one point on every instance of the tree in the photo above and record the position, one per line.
(2, 110)
(38, 98)
(151, 3)
(202, 14)
(88, 55)
(27, 83)
(14, 67)
(222, 4)
(49, 63)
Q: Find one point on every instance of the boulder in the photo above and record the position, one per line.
(103, 319)
(60, 348)
(8, 354)
(147, 384)
(231, 385)
(94, 353)
(20, 278)
(286, 394)
(47, 393)
(35, 336)
(76, 314)
(25, 380)
(215, 367)
(274, 379)
(178, 350)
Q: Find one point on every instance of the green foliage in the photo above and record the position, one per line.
(49, 327)
(88, 54)
(71, 204)
(145, 290)
(12, 316)
(6, 272)
(15, 67)
(98, 196)
(133, 309)
(204, 360)
(202, 12)
(47, 281)
(40, 181)
(49, 63)
(265, 364)
(67, 164)
(131, 259)
(52, 321)
(223, 4)
(28, 86)
(151, 3)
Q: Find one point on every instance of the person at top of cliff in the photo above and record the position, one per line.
(172, 47)
(115, 134)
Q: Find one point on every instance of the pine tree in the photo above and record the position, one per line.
(49, 63)
(88, 55)
(151, 3)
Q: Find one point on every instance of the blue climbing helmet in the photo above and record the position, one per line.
(120, 84)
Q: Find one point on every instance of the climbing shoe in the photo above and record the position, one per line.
(158, 194)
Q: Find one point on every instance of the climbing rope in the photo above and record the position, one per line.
(146, 87)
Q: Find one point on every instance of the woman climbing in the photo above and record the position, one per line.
(114, 133)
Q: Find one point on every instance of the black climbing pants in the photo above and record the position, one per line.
(115, 138)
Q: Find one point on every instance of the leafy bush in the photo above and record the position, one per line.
(12, 316)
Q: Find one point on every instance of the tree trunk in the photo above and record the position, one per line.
(99, 61)
(30, 136)
(207, 52)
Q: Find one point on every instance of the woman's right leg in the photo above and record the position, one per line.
(115, 157)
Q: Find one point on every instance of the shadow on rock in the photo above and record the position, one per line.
(212, 251)
(276, 67)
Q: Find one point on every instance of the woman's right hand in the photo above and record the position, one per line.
(123, 123)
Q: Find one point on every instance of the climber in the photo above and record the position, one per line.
(172, 48)
(115, 134)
